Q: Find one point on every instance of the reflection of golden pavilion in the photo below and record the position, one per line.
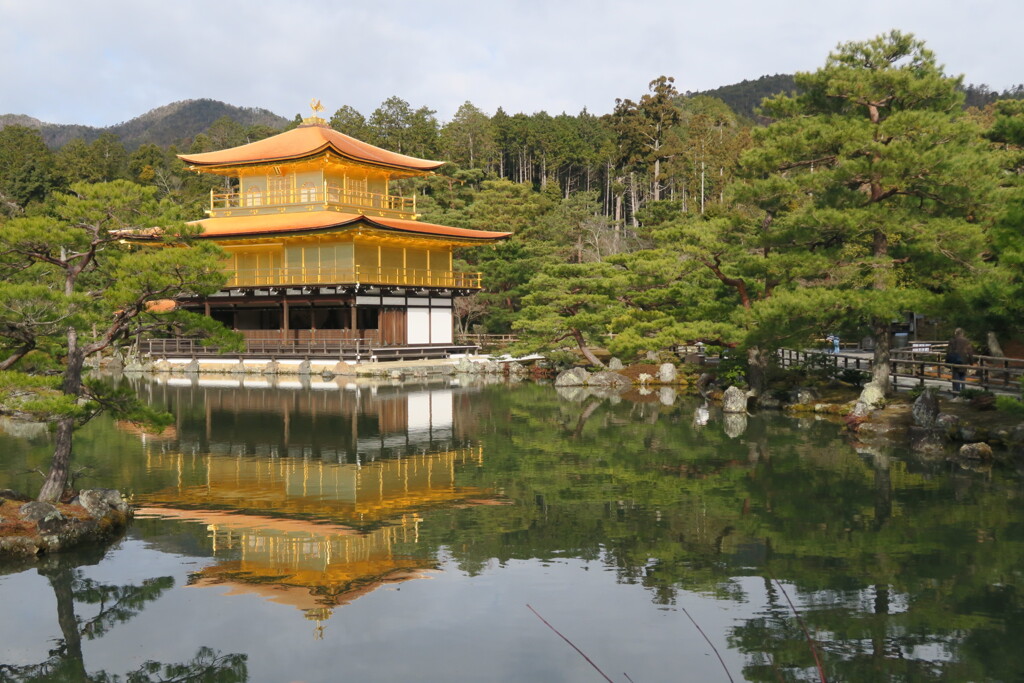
(282, 528)
(314, 567)
(306, 488)
(310, 498)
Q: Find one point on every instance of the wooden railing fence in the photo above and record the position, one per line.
(487, 341)
(922, 365)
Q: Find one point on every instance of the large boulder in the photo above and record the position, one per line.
(615, 364)
(666, 373)
(976, 451)
(871, 397)
(517, 370)
(926, 408)
(100, 502)
(610, 380)
(734, 400)
(804, 396)
(343, 368)
(947, 424)
(36, 511)
(467, 367)
(572, 378)
(106, 517)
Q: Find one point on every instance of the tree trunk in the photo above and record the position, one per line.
(585, 350)
(657, 180)
(702, 188)
(994, 348)
(633, 201)
(60, 466)
(757, 370)
(880, 367)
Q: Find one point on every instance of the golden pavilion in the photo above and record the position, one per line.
(322, 253)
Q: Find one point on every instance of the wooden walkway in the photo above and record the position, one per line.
(922, 364)
(340, 349)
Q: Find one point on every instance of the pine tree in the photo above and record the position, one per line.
(873, 175)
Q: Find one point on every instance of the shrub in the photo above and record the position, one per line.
(1010, 405)
(852, 376)
(561, 359)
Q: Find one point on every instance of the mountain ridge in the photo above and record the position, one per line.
(179, 122)
(170, 124)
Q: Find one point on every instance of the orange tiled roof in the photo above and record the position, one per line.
(281, 223)
(307, 141)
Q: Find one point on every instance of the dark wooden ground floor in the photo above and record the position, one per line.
(349, 325)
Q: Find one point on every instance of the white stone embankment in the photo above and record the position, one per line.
(282, 369)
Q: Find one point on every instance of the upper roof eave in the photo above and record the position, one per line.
(302, 143)
(248, 227)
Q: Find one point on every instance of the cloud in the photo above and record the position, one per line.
(101, 63)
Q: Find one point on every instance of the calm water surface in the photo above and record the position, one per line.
(344, 532)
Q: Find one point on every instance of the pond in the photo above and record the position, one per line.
(326, 531)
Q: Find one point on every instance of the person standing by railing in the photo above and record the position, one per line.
(959, 352)
(832, 343)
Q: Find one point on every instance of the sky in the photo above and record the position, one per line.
(102, 62)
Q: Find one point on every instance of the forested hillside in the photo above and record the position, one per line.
(172, 124)
(869, 190)
(745, 97)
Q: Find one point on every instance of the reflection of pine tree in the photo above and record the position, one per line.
(117, 605)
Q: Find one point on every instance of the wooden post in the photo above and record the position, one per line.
(284, 321)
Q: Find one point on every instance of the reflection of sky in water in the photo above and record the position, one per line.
(449, 627)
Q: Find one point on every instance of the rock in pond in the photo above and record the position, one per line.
(976, 451)
(666, 373)
(611, 380)
(926, 408)
(37, 528)
(572, 378)
(734, 400)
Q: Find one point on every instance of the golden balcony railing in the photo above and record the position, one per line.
(333, 195)
(402, 277)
